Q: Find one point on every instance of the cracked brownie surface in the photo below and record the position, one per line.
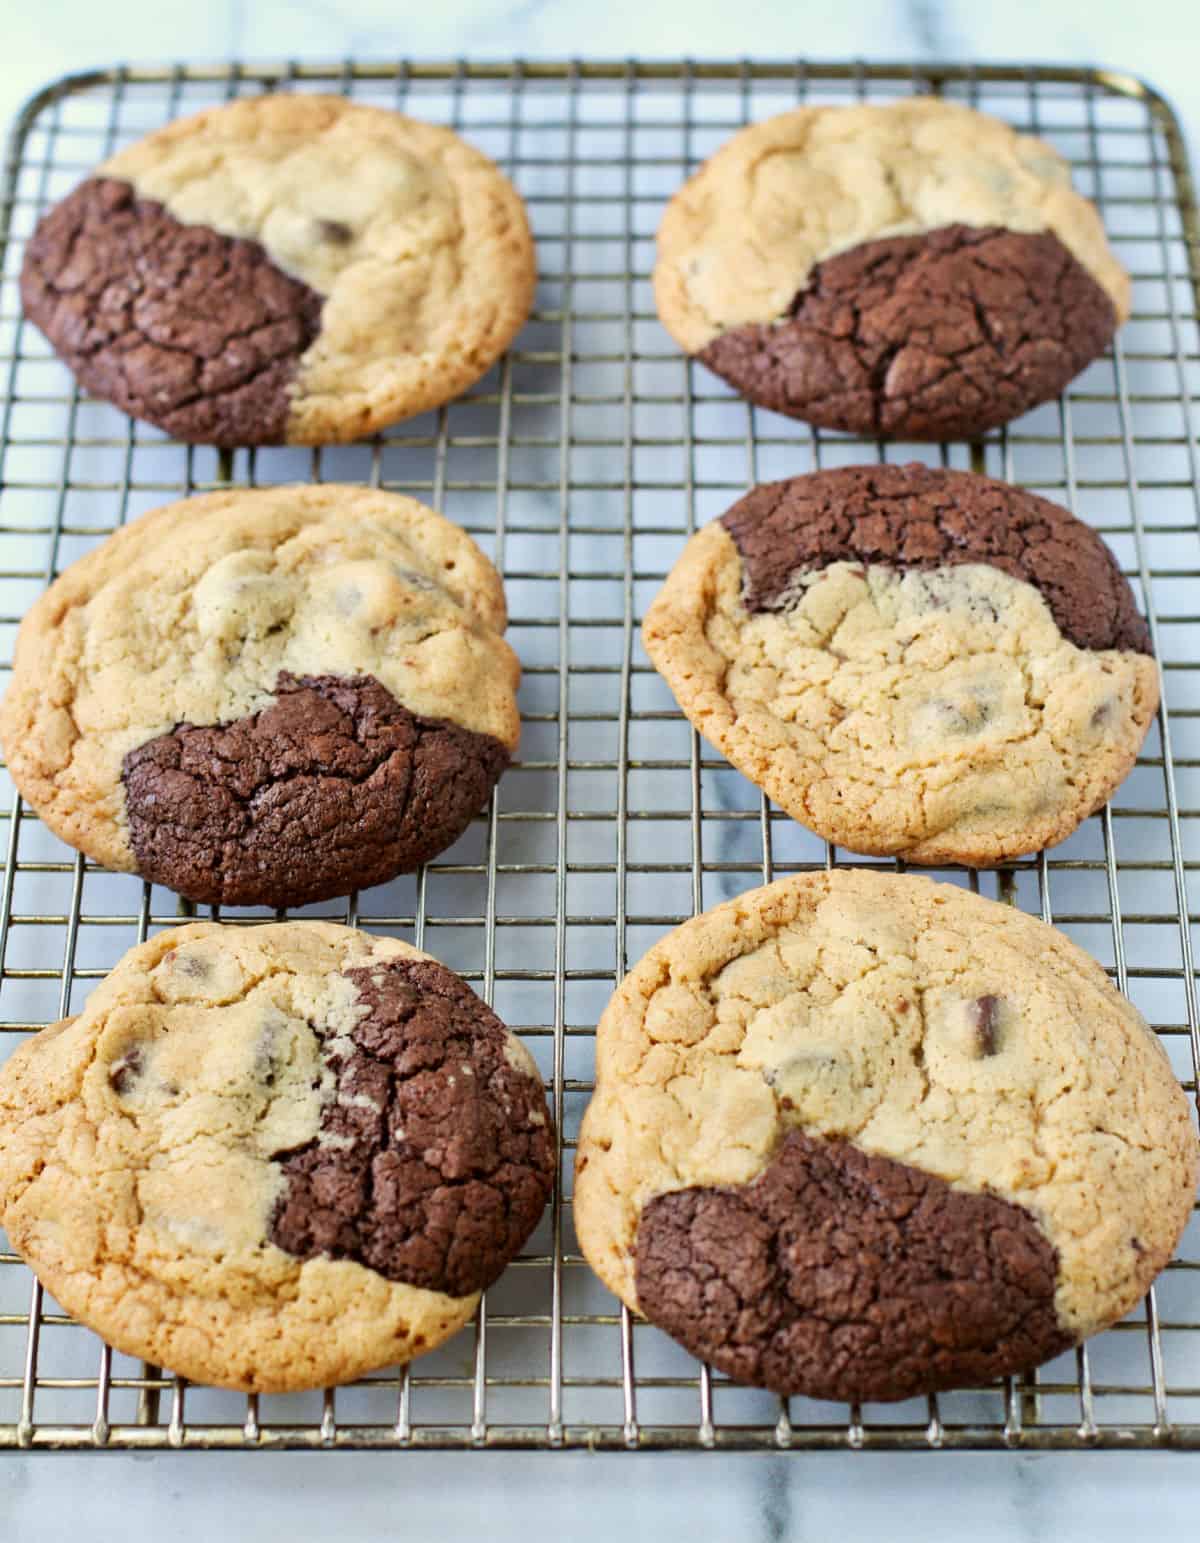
(284, 269)
(273, 1158)
(433, 1163)
(918, 517)
(910, 661)
(859, 1135)
(941, 336)
(914, 271)
(333, 787)
(266, 697)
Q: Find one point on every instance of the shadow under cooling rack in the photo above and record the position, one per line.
(581, 463)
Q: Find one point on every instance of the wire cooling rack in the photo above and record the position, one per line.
(581, 463)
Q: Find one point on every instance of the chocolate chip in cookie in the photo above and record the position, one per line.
(984, 1016)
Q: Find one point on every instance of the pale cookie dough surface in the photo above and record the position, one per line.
(156, 1153)
(932, 712)
(391, 263)
(740, 239)
(191, 615)
(900, 1020)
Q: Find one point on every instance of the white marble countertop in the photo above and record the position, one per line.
(1156, 40)
(500, 1496)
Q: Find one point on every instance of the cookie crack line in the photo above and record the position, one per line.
(335, 786)
(940, 336)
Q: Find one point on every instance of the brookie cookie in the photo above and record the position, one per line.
(266, 697)
(862, 1136)
(914, 271)
(913, 662)
(273, 1157)
(283, 270)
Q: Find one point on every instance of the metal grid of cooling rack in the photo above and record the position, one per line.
(581, 463)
